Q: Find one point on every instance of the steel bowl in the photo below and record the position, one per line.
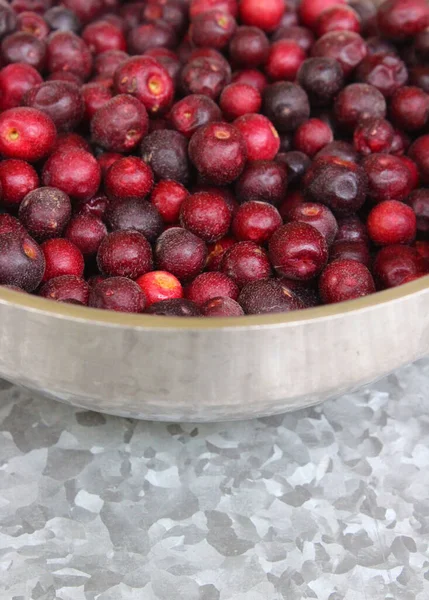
(200, 369)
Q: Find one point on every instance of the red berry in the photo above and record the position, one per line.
(395, 263)
(373, 135)
(218, 151)
(266, 16)
(181, 253)
(268, 296)
(68, 52)
(26, 133)
(75, 172)
(310, 10)
(216, 252)
(129, 178)
(256, 222)
(312, 136)
(419, 153)
(59, 100)
(347, 47)
(419, 202)
(120, 123)
(158, 286)
(261, 138)
(193, 111)
(124, 254)
(62, 258)
(298, 251)
(245, 262)
(338, 18)
(86, 232)
(211, 285)
(262, 180)
(284, 60)
(317, 215)
(399, 19)
(94, 96)
(15, 81)
(249, 47)
(66, 288)
(391, 222)
(213, 29)
(167, 197)
(101, 36)
(205, 214)
(238, 99)
(388, 177)
(345, 280)
(117, 293)
(17, 179)
(409, 108)
(22, 262)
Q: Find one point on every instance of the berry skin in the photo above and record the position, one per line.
(211, 285)
(256, 222)
(221, 307)
(206, 215)
(345, 280)
(117, 293)
(298, 251)
(391, 222)
(26, 134)
(168, 196)
(62, 258)
(239, 99)
(129, 178)
(22, 262)
(268, 296)
(245, 262)
(158, 286)
(17, 179)
(266, 16)
(312, 136)
(261, 138)
(75, 172)
(124, 254)
(66, 288)
(218, 151)
(181, 253)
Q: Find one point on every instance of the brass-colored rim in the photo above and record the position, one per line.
(115, 319)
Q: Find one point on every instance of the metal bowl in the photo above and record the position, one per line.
(201, 369)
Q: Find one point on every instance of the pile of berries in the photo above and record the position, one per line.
(213, 157)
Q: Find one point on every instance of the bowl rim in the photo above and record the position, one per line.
(63, 310)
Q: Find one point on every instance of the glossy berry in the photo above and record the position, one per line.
(45, 212)
(310, 10)
(218, 151)
(345, 280)
(409, 108)
(251, 77)
(351, 229)
(147, 80)
(286, 105)
(261, 138)
(25, 48)
(301, 35)
(86, 232)
(62, 258)
(386, 72)
(256, 222)
(245, 262)
(15, 80)
(298, 251)
(221, 307)
(341, 185)
(59, 100)
(68, 52)
(284, 60)
(266, 16)
(394, 263)
(317, 215)
(192, 112)
(399, 19)
(124, 254)
(213, 29)
(211, 285)
(75, 172)
(262, 180)
(181, 253)
(322, 78)
(359, 101)
(94, 95)
(95, 206)
(31, 22)
(347, 47)
(373, 135)
(388, 177)
(339, 149)
(205, 75)
(391, 222)
(158, 286)
(312, 136)
(338, 18)
(268, 296)
(26, 133)
(177, 307)
(129, 178)
(206, 215)
(107, 62)
(101, 36)
(17, 179)
(22, 262)
(167, 197)
(66, 288)
(117, 293)
(249, 47)
(238, 99)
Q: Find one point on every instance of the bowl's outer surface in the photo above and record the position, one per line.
(209, 369)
